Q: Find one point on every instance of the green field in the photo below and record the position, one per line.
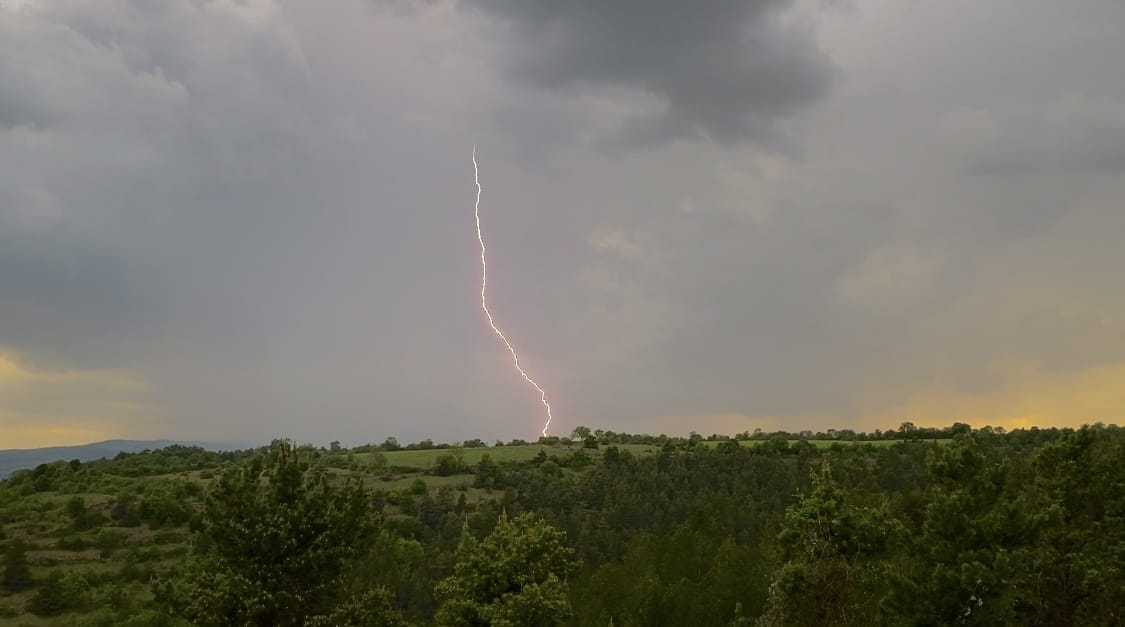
(426, 459)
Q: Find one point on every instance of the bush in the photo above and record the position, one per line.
(109, 541)
(60, 592)
(550, 468)
(161, 505)
(377, 463)
(133, 571)
(17, 575)
(446, 465)
(82, 517)
(125, 512)
(113, 596)
(7, 610)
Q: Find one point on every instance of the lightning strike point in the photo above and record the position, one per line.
(484, 302)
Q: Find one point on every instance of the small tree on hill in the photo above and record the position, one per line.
(17, 575)
(60, 592)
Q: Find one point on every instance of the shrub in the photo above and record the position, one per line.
(82, 516)
(17, 575)
(161, 505)
(446, 465)
(7, 610)
(60, 592)
(125, 512)
(113, 596)
(109, 541)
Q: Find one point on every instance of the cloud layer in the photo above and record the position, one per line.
(241, 220)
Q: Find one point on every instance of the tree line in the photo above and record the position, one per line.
(985, 527)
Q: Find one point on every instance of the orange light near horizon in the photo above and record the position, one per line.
(484, 302)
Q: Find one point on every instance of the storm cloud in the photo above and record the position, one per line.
(244, 220)
(724, 70)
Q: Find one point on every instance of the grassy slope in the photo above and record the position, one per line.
(426, 459)
(40, 518)
(12, 460)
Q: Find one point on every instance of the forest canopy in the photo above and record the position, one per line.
(909, 526)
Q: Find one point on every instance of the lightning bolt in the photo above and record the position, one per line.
(484, 302)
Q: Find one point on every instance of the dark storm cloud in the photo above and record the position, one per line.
(120, 173)
(725, 70)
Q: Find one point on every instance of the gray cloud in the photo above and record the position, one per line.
(256, 216)
(725, 70)
(1072, 133)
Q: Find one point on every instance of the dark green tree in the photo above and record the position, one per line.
(977, 537)
(280, 544)
(692, 576)
(516, 576)
(832, 574)
(17, 575)
(60, 592)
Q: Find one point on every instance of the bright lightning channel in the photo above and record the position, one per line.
(484, 303)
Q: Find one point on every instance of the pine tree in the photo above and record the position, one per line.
(282, 539)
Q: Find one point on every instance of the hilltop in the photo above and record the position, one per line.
(12, 460)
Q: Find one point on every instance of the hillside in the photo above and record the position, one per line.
(12, 460)
(975, 527)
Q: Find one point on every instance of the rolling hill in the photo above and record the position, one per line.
(12, 460)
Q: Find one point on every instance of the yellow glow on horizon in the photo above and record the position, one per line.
(1029, 396)
(54, 408)
(53, 434)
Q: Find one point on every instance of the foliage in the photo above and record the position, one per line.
(894, 527)
(7, 610)
(279, 544)
(694, 575)
(831, 575)
(516, 576)
(17, 574)
(61, 591)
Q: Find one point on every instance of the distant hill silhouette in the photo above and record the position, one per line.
(12, 460)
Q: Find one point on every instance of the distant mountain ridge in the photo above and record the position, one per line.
(12, 460)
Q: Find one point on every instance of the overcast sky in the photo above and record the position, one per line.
(234, 221)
